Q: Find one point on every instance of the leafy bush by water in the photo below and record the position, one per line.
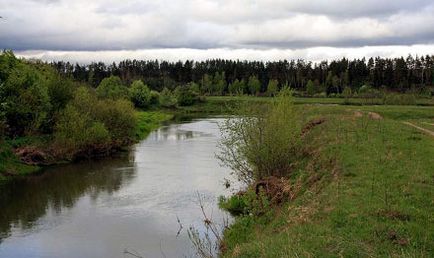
(264, 142)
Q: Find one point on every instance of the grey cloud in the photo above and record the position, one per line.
(367, 8)
(200, 24)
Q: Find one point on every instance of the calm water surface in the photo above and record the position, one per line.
(101, 208)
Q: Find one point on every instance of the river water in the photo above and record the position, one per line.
(129, 203)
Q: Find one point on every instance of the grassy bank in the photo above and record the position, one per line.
(228, 100)
(12, 167)
(148, 121)
(369, 194)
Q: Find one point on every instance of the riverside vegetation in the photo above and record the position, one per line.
(336, 174)
(328, 180)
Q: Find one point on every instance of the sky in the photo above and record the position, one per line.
(113, 30)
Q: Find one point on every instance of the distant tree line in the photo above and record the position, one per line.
(221, 77)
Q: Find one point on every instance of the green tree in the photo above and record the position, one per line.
(60, 91)
(272, 88)
(194, 87)
(254, 85)
(237, 87)
(25, 99)
(112, 88)
(140, 94)
(206, 84)
(310, 88)
(219, 83)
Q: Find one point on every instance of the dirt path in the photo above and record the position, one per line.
(420, 128)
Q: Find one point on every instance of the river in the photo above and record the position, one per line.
(127, 203)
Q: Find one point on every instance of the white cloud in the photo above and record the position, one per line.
(314, 54)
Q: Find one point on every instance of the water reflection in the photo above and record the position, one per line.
(24, 202)
(100, 208)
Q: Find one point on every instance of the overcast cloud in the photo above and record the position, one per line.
(110, 30)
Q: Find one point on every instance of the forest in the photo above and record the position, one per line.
(222, 77)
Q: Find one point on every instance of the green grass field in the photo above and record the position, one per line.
(373, 197)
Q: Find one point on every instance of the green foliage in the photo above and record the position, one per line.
(272, 88)
(264, 142)
(347, 93)
(237, 87)
(206, 84)
(194, 87)
(246, 203)
(185, 96)
(310, 88)
(399, 99)
(24, 99)
(254, 85)
(155, 98)
(76, 130)
(88, 122)
(235, 204)
(140, 94)
(119, 118)
(112, 87)
(60, 92)
(364, 89)
(167, 98)
(219, 83)
(8, 62)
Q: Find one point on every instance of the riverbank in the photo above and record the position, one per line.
(366, 190)
(11, 166)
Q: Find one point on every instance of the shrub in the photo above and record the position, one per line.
(399, 99)
(119, 118)
(236, 204)
(111, 87)
(140, 94)
(155, 98)
(247, 203)
(364, 89)
(167, 99)
(265, 142)
(89, 122)
(320, 95)
(185, 96)
(76, 130)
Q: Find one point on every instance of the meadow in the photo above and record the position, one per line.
(366, 189)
